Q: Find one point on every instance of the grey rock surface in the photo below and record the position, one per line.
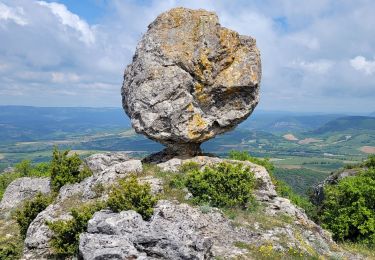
(180, 231)
(190, 80)
(107, 168)
(22, 189)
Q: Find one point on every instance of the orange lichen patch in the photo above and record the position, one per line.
(202, 97)
(198, 87)
(233, 74)
(229, 39)
(368, 149)
(196, 125)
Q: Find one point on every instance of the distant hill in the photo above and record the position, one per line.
(348, 123)
(24, 123)
(286, 122)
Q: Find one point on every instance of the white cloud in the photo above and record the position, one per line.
(308, 50)
(72, 20)
(319, 66)
(13, 14)
(360, 63)
(59, 77)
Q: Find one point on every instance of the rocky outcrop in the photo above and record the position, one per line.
(170, 234)
(107, 168)
(265, 189)
(180, 231)
(190, 80)
(317, 194)
(177, 230)
(22, 189)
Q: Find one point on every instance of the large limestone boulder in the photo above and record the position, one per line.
(190, 80)
(22, 189)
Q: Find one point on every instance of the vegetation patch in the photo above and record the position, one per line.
(130, 195)
(349, 207)
(268, 251)
(222, 185)
(30, 209)
(65, 239)
(66, 169)
(11, 243)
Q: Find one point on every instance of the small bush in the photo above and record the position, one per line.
(245, 156)
(29, 211)
(66, 169)
(9, 250)
(370, 162)
(130, 195)
(65, 239)
(349, 208)
(189, 166)
(223, 185)
(23, 168)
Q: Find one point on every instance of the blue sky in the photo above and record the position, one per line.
(317, 56)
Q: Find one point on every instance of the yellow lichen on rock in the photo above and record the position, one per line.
(195, 126)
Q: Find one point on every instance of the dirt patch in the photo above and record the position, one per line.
(368, 149)
(290, 137)
(309, 140)
(290, 166)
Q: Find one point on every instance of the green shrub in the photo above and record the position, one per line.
(349, 208)
(189, 166)
(245, 156)
(65, 239)
(9, 250)
(30, 209)
(66, 169)
(370, 162)
(222, 185)
(282, 188)
(23, 168)
(130, 195)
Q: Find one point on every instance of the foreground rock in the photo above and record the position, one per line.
(170, 234)
(190, 80)
(178, 230)
(107, 168)
(22, 189)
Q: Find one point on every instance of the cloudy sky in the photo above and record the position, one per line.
(318, 55)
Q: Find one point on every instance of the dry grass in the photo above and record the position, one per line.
(309, 140)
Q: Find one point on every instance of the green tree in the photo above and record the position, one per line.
(349, 208)
(66, 169)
